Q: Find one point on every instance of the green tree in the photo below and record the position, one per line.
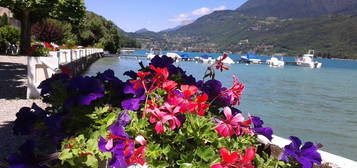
(31, 11)
(4, 20)
(8, 34)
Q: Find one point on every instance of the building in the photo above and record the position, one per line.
(12, 20)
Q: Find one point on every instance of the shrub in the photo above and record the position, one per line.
(48, 30)
(8, 35)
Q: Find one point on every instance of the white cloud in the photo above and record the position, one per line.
(201, 11)
(219, 8)
(183, 19)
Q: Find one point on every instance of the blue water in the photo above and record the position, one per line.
(318, 105)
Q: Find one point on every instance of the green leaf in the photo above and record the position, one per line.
(205, 153)
(91, 161)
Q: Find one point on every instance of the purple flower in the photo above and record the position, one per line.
(85, 90)
(108, 75)
(306, 155)
(133, 103)
(27, 118)
(161, 62)
(213, 88)
(118, 142)
(25, 158)
(46, 85)
(259, 129)
(131, 74)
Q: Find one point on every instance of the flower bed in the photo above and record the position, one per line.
(161, 117)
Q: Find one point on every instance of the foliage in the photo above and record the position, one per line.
(160, 117)
(96, 30)
(8, 35)
(31, 11)
(48, 31)
(4, 20)
(329, 36)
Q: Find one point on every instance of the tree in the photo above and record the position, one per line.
(4, 20)
(48, 30)
(31, 11)
(8, 35)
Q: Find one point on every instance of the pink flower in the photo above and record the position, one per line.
(172, 112)
(160, 118)
(233, 124)
(188, 90)
(202, 106)
(235, 92)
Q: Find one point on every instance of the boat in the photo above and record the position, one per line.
(153, 53)
(250, 58)
(174, 56)
(307, 60)
(275, 62)
(227, 60)
(207, 59)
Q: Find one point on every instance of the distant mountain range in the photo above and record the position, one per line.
(268, 26)
(297, 8)
(143, 30)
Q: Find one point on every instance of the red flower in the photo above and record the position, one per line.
(188, 90)
(141, 81)
(137, 157)
(236, 159)
(161, 73)
(169, 85)
(220, 65)
(202, 106)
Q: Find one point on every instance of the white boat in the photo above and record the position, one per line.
(250, 58)
(174, 56)
(153, 53)
(227, 60)
(275, 62)
(307, 60)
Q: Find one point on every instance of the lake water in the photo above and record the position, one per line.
(318, 105)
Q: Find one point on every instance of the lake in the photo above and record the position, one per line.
(318, 105)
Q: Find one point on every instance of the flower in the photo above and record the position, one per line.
(141, 82)
(235, 92)
(236, 159)
(27, 118)
(259, 129)
(162, 62)
(169, 85)
(26, 157)
(202, 106)
(188, 90)
(133, 103)
(232, 124)
(219, 63)
(118, 142)
(160, 118)
(85, 90)
(173, 112)
(305, 155)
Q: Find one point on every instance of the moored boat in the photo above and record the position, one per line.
(307, 60)
(275, 62)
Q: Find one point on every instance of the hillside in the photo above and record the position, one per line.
(297, 8)
(330, 35)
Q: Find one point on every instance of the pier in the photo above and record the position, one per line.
(41, 68)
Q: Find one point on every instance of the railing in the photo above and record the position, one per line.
(41, 68)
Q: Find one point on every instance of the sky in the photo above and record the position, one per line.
(156, 15)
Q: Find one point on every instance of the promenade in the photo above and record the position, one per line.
(13, 71)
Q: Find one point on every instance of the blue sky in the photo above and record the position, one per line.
(156, 15)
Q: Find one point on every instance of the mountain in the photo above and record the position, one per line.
(331, 35)
(143, 30)
(297, 8)
(171, 29)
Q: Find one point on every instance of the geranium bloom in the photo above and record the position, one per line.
(306, 155)
(188, 90)
(232, 124)
(169, 85)
(141, 81)
(202, 106)
(220, 65)
(172, 112)
(235, 92)
(160, 118)
(236, 159)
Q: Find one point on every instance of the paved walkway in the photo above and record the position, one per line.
(13, 70)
